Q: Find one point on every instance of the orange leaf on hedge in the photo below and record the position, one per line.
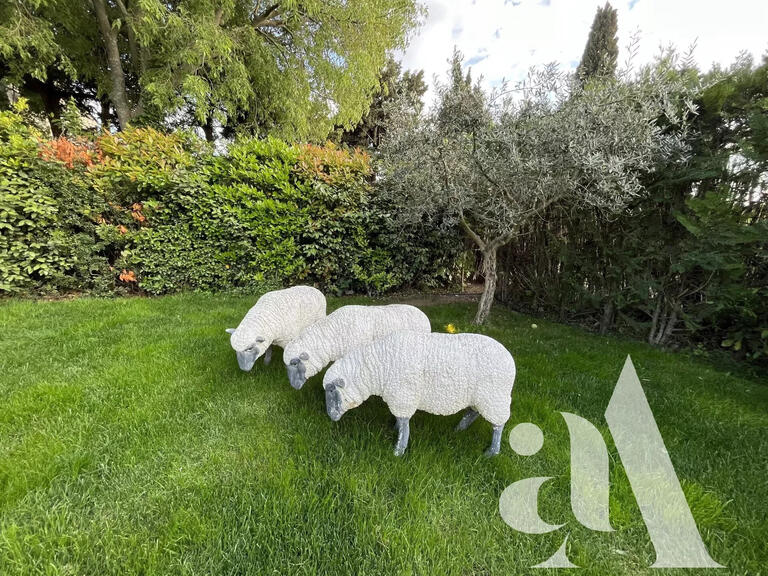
(127, 276)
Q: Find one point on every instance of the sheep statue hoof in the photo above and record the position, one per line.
(495, 446)
(403, 433)
(437, 373)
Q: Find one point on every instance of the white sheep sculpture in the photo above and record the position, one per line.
(436, 373)
(277, 318)
(343, 330)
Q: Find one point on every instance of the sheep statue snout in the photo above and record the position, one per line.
(333, 400)
(247, 357)
(297, 371)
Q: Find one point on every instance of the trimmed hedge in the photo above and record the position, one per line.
(142, 210)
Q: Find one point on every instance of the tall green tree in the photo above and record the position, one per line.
(394, 84)
(602, 49)
(295, 67)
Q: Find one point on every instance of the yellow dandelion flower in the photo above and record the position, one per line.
(450, 328)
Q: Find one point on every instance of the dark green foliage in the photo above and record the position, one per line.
(273, 213)
(687, 262)
(393, 84)
(602, 49)
(229, 224)
(159, 213)
(51, 238)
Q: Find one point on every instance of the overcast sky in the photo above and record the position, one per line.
(503, 38)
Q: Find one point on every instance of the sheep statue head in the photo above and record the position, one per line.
(248, 354)
(297, 370)
(334, 401)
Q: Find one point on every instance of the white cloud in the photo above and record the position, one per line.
(503, 38)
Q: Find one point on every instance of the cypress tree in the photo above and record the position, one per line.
(602, 49)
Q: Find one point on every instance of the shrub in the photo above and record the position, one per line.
(51, 222)
(143, 210)
(205, 236)
(267, 212)
(139, 163)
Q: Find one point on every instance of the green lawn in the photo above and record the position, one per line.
(130, 443)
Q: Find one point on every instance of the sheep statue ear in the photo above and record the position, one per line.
(229, 330)
(259, 340)
(304, 356)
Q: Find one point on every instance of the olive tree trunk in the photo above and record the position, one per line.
(489, 286)
(664, 321)
(607, 318)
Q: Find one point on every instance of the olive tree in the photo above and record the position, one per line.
(494, 162)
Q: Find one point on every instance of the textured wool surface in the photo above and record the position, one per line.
(279, 317)
(350, 327)
(437, 373)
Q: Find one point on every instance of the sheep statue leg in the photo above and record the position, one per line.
(495, 446)
(268, 356)
(403, 432)
(466, 421)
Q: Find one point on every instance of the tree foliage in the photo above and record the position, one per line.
(602, 49)
(394, 84)
(297, 67)
(495, 162)
(685, 262)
